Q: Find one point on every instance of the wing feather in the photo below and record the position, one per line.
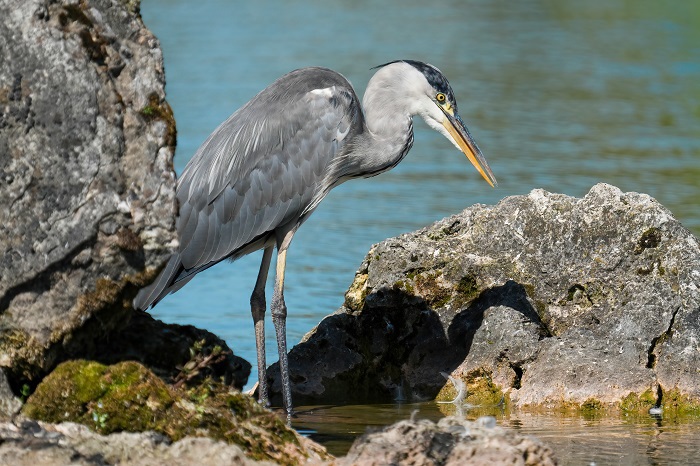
(264, 166)
(213, 235)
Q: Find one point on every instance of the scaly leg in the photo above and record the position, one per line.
(279, 319)
(257, 308)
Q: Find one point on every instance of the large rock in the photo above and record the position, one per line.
(86, 179)
(167, 348)
(544, 298)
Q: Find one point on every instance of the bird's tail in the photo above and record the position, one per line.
(173, 277)
(167, 282)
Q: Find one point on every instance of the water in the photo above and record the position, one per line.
(581, 439)
(559, 95)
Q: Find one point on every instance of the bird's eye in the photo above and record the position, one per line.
(440, 97)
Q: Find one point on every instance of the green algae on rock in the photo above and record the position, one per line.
(128, 397)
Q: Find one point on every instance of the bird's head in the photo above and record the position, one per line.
(431, 97)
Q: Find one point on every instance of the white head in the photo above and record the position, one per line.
(421, 89)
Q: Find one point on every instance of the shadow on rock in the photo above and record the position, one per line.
(171, 350)
(394, 348)
(511, 294)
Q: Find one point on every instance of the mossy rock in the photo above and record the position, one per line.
(429, 286)
(128, 397)
(677, 404)
(158, 109)
(481, 390)
(638, 403)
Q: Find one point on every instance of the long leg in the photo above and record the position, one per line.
(257, 308)
(278, 309)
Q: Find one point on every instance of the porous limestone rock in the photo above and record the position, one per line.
(452, 441)
(545, 299)
(86, 176)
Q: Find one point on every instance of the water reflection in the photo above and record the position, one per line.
(575, 438)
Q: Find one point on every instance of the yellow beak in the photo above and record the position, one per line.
(459, 132)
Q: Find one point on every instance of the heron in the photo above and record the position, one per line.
(260, 175)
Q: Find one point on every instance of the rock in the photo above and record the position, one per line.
(452, 441)
(545, 299)
(87, 182)
(9, 404)
(166, 348)
(127, 397)
(28, 443)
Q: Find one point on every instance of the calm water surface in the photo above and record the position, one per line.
(576, 440)
(560, 95)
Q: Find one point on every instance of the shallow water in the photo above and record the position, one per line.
(581, 439)
(559, 95)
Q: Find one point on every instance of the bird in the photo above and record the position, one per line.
(260, 175)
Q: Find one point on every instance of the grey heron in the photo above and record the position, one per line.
(264, 170)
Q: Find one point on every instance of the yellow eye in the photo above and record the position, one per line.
(440, 97)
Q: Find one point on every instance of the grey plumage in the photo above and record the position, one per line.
(227, 206)
(264, 170)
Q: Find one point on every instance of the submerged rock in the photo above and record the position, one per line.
(543, 299)
(86, 140)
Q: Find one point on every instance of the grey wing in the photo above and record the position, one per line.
(264, 167)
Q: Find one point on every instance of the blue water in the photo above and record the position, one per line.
(559, 95)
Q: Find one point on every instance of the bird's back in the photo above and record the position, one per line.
(266, 167)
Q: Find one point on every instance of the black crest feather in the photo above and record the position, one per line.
(432, 74)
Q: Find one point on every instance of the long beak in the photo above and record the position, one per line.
(459, 132)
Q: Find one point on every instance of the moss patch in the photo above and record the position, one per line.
(127, 240)
(160, 110)
(97, 395)
(128, 397)
(133, 6)
(481, 390)
(356, 294)
(405, 285)
(592, 404)
(676, 403)
(467, 290)
(427, 286)
(638, 403)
